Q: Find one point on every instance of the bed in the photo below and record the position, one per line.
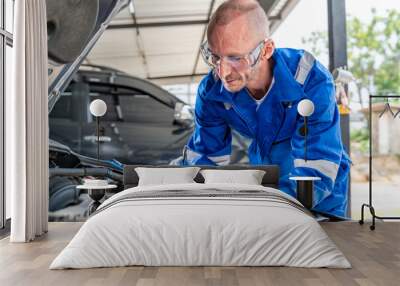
(198, 224)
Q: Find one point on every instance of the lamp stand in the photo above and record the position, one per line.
(98, 137)
(305, 138)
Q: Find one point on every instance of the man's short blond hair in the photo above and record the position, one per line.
(228, 10)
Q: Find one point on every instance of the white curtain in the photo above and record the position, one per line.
(27, 123)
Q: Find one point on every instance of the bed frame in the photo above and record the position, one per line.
(270, 179)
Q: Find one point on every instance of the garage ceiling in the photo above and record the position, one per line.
(159, 40)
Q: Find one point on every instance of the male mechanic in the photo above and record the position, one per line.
(254, 88)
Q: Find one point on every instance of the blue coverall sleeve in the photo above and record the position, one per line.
(325, 154)
(210, 143)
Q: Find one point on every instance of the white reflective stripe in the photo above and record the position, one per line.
(219, 160)
(327, 168)
(191, 155)
(304, 67)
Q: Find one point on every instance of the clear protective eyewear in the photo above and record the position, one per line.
(241, 62)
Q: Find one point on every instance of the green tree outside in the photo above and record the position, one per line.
(373, 53)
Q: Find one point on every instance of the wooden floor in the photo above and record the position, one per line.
(374, 255)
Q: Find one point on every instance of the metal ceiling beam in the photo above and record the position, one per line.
(267, 4)
(158, 24)
(175, 76)
(178, 79)
(167, 24)
(276, 21)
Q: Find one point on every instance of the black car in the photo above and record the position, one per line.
(144, 124)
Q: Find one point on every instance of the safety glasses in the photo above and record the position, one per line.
(240, 62)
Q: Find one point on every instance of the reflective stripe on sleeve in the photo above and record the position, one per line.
(220, 160)
(327, 168)
(304, 67)
(191, 155)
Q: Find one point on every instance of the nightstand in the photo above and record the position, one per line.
(96, 193)
(305, 190)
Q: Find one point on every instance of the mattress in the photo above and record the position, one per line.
(201, 225)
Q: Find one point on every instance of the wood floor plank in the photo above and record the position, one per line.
(374, 255)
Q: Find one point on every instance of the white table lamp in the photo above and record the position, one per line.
(305, 185)
(96, 187)
(305, 108)
(98, 108)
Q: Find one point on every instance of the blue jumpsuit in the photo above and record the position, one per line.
(274, 128)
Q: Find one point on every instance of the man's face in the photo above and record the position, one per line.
(234, 39)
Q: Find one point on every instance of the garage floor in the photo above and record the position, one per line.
(375, 257)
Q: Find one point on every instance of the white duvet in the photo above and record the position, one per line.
(188, 231)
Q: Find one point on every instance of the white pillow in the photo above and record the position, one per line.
(164, 176)
(248, 177)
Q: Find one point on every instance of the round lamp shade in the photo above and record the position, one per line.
(305, 107)
(98, 107)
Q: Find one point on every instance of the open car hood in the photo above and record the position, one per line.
(73, 29)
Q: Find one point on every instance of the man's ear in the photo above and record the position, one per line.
(269, 49)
